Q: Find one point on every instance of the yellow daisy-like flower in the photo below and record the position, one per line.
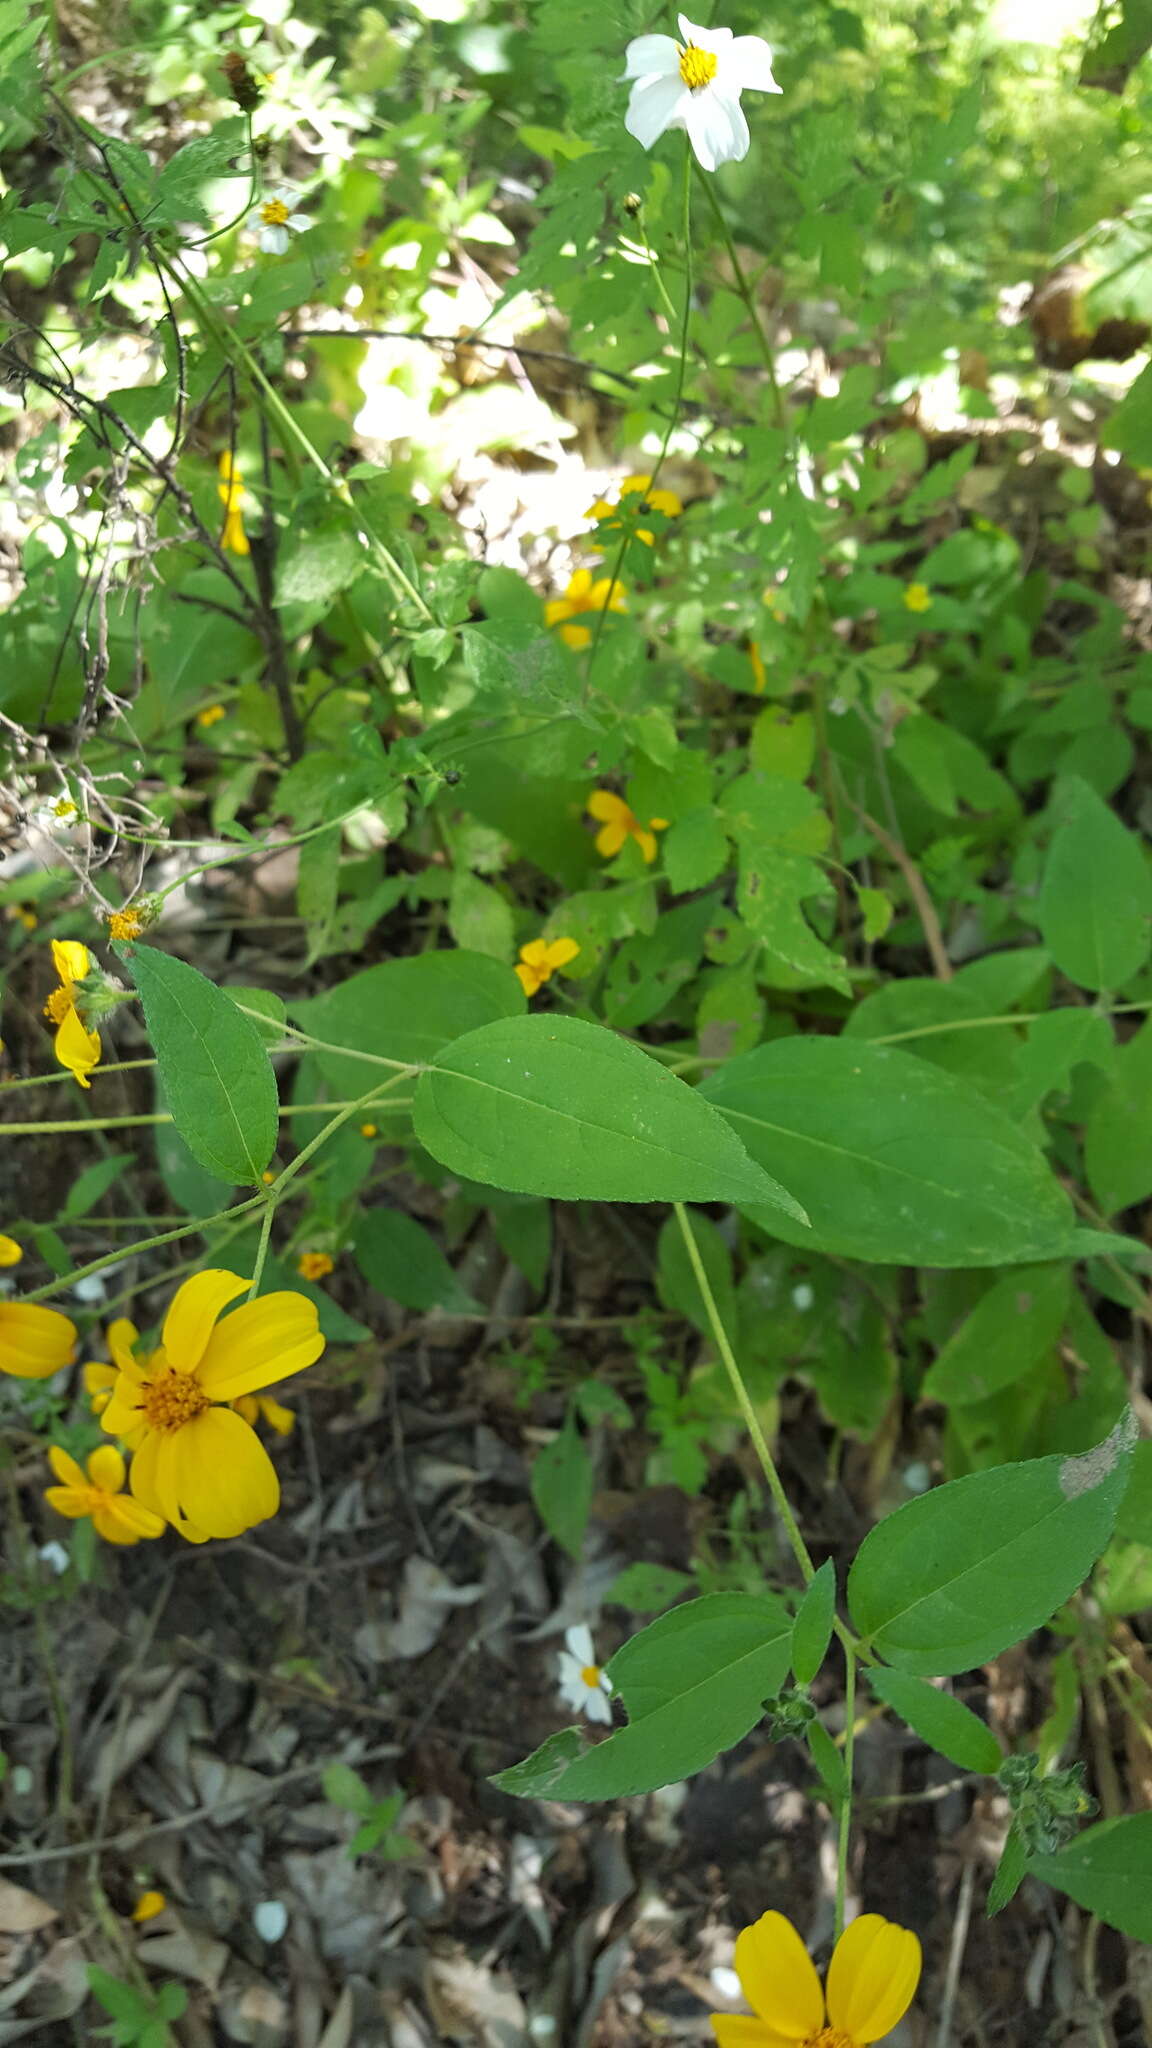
(99, 1381)
(585, 593)
(262, 1408)
(196, 1461)
(148, 1905)
(11, 1253)
(231, 491)
(76, 1047)
(614, 518)
(34, 1341)
(541, 959)
(618, 823)
(917, 598)
(100, 1493)
(314, 1265)
(872, 1979)
(124, 924)
(211, 715)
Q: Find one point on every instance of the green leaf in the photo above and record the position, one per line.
(1010, 1872)
(956, 1576)
(676, 1280)
(344, 1787)
(90, 1186)
(1095, 905)
(647, 1588)
(693, 1682)
(943, 1722)
(1014, 1326)
(812, 1628)
(191, 1187)
(216, 1074)
(269, 1008)
(319, 568)
(562, 1481)
(535, 1777)
(479, 917)
(555, 1106)
(894, 1160)
(405, 1010)
(829, 1762)
(1108, 1871)
(402, 1259)
(1134, 1520)
(1118, 1133)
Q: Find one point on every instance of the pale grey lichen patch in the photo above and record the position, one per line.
(1084, 1474)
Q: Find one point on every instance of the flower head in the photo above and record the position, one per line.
(315, 1265)
(696, 84)
(540, 959)
(871, 1982)
(76, 1047)
(618, 823)
(585, 593)
(369, 1131)
(35, 1341)
(100, 1493)
(148, 1905)
(917, 598)
(11, 1253)
(124, 924)
(617, 519)
(275, 222)
(583, 1685)
(211, 715)
(230, 491)
(197, 1462)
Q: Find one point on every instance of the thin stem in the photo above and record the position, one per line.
(743, 1399)
(262, 1247)
(744, 290)
(845, 1818)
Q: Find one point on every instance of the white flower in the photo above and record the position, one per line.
(583, 1685)
(696, 84)
(276, 223)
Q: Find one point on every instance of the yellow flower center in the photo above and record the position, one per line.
(697, 67)
(59, 1003)
(829, 2037)
(124, 924)
(591, 1676)
(274, 213)
(172, 1399)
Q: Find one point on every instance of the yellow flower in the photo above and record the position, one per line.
(262, 1408)
(19, 913)
(65, 810)
(124, 924)
(231, 491)
(314, 1265)
(369, 1131)
(268, 1176)
(619, 823)
(99, 1381)
(211, 714)
(614, 518)
(584, 594)
(759, 672)
(115, 1516)
(871, 1982)
(34, 1341)
(918, 598)
(197, 1462)
(540, 960)
(11, 1253)
(148, 1905)
(76, 1047)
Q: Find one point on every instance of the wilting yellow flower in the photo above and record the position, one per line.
(369, 1131)
(231, 491)
(262, 1408)
(584, 594)
(11, 1253)
(918, 598)
(619, 823)
(148, 1905)
(540, 960)
(211, 714)
(196, 1461)
(314, 1265)
(100, 1493)
(614, 518)
(34, 1341)
(124, 924)
(99, 1381)
(871, 1982)
(76, 1047)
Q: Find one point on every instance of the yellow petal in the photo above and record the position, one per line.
(265, 1341)
(77, 1049)
(732, 2030)
(610, 839)
(70, 959)
(66, 1468)
(98, 1378)
(529, 980)
(779, 1977)
(124, 1410)
(607, 594)
(67, 1501)
(576, 637)
(123, 1336)
(34, 1341)
(579, 586)
(606, 805)
(11, 1253)
(120, 1520)
(557, 608)
(106, 1469)
(148, 1905)
(560, 952)
(234, 538)
(224, 1478)
(192, 1314)
(600, 510)
(635, 485)
(279, 1418)
(872, 1977)
(646, 841)
(535, 953)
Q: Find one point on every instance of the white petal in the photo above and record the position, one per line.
(716, 128)
(749, 63)
(656, 105)
(579, 1642)
(274, 240)
(596, 1707)
(651, 57)
(300, 221)
(704, 38)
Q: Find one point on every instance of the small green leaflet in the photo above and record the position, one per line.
(217, 1077)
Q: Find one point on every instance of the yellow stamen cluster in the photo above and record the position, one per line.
(590, 1673)
(314, 1265)
(274, 213)
(172, 1399)
(697, 67)
(124, 924)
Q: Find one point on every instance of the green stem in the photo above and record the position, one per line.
(158, 1116)
(262, 1247)
(744, 291)
(845, 1818)
(743, 1399)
